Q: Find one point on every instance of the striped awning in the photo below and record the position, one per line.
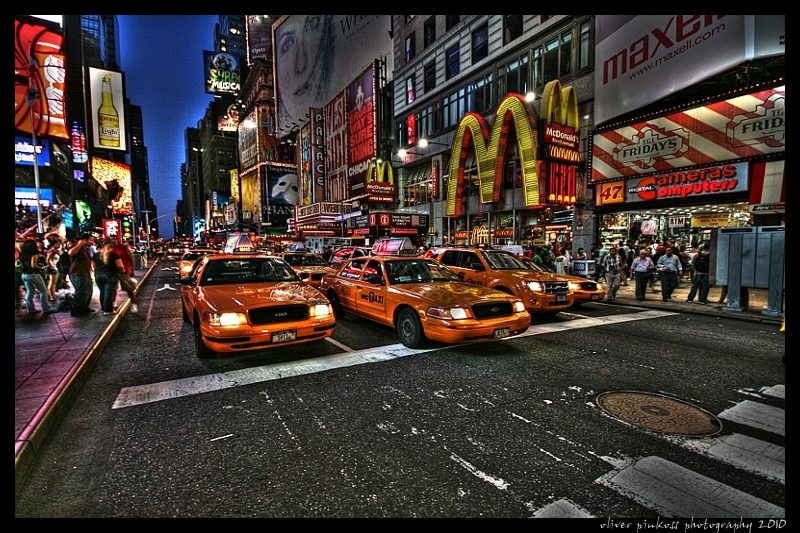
(768, 187)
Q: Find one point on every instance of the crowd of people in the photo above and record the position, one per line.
(61, 273)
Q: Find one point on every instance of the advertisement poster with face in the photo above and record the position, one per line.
(316, 56)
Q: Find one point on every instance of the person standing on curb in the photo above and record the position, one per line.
(126, 274)
(669, 270)
(640, 272)
(701, 263)
(80, 275)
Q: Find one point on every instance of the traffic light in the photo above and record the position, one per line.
(127, 228)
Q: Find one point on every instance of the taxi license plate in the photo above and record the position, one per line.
(501, 333)
(560, 297)
(594, 297)
(284, 336)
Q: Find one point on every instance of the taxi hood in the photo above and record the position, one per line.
(451, 293)
(238, 297)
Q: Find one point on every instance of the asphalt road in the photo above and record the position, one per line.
(363, 427)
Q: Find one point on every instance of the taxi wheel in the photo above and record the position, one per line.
(184, 314)
(409, 328)
(203, 351)
(338, 312)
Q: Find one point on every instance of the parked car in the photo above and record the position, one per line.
(541, 292)
(243, 301)
(583, 289)
(308, 263)
(423, 299)
(189, 258)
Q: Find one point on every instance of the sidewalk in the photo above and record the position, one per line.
(53, 354)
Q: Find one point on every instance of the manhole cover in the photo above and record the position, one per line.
(659, 413)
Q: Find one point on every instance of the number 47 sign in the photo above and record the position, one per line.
(611, 192)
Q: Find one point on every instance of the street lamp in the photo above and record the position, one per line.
(32, 97)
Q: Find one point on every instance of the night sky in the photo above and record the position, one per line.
(162, 58)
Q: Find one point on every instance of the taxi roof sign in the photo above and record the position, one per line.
(239, 244)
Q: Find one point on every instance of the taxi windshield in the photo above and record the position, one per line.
(503, 261)
(247, 270)
(418, 270)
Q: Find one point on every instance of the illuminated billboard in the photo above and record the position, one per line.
(107, 109)
(39, 64)
(361, 130)
(259, 37)
(107, 173)
(23, 152)
(222, 72)
(316, 56)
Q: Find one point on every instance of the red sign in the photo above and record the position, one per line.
(112, 228)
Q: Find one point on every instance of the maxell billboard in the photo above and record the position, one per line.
(643, 58)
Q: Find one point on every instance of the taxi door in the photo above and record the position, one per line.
(467, 263)
(371, 297)
(346, 282)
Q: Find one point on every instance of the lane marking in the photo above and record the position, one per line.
(177, 388)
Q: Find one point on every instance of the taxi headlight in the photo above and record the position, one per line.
(519, 307)
(535, 286)
(573, 286)
(320, 310)
(455, 313)
(225, 319)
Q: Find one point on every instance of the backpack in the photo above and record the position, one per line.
(64, 262)
(702, 263)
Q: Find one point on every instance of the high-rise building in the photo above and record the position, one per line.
(229, 36)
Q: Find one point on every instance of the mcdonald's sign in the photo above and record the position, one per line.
(380, 182)
(491, 157)
(561, 122)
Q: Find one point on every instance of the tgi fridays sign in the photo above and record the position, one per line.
(747, 126)
(686, 184)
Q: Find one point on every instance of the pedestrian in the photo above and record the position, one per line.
(326, 255)
(80, 274)
(701, 263)
(63, 263)
(613, 266)
(19, 285)
(568, 257)
(31, 258)
(561, 262)
(107, 266)
(581, 255)
(641, 272)
(126, 282)
(669, 270)
(53, 254)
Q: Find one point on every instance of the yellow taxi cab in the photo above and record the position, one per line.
(423, 299)
(190, 257)
(541, 292)
(308, 263)
(243, 301)
(583, 289)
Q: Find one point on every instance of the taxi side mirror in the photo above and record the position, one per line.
(476, 266)
(187, 280)
(303, 275)
(375, 279)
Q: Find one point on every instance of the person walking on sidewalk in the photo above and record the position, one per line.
(614, 266)
(107, 266)
(640, 272)
(669, 270)
(701, 263)
(80, 275)
(126, 276)
(32, 276)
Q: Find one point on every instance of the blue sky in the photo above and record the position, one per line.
(162, 58)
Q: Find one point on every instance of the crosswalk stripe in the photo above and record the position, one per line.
(752, 454)
(674, 491)
(757, 415)
(165, 390)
